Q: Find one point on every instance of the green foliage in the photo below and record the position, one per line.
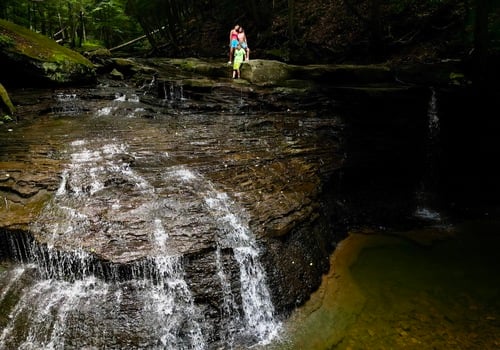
(72, 22)
(91, 45)
(38, 46)
(6, 118)
(6, 41)
(175, 25)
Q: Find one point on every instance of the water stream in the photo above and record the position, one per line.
(109, 266)
(426, 201)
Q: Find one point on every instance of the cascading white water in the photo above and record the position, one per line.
(12, 279)
(175, 92)
(67, 104)
(424, 210)
(169, 304)
(53, 306)
(230, 315)
(432, 113)
(69, 306)
(173, 305)
(258, 310)
(257, 305)
(155, 307)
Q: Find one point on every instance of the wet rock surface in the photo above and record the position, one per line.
(114, 170)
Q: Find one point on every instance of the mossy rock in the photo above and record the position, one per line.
(5, 102)
(206, 68)
(265, 72)
(39, 60)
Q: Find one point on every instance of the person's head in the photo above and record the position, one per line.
(239, 46)
(240, 29)
(237, 27)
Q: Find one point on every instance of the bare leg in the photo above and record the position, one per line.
(248, 54)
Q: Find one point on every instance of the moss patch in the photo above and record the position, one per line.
(36, 46)
(5, 102)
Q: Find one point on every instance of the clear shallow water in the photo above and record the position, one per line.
(443, 296)
(392, 293)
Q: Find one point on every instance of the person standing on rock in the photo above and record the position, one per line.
(233, 42)
(242, 39)
(239, 56)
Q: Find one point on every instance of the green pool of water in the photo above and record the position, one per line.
(399, 294)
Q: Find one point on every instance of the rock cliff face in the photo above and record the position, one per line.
(180, 148)
(108, 169)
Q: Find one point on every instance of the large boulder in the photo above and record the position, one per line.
(34, 59)
(265, 72)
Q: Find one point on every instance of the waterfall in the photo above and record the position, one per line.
(67, 104)
(147, 87)
(258, 321)
(427, 185)
(132, 253)
(433, 117)
(169, 304)
(76, 300)
(172, 91)
(155, 307)
(175, 91)
(257, 306)
(230, 315)
(68, 306)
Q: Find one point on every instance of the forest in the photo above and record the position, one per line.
(296, 31)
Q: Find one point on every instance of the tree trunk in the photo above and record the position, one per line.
(375, 29)
(291, 19)
(481, 41)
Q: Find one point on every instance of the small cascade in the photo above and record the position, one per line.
(171, 91)
(425, 196)
(67, 104)
(149, 86)
(77, 300)
(230, 315)
(13, 276)
(121, 97)
(69, 306)
(173, 309)
(169, 304)
(432, 113)
(257, 323)
(257, 306)
(121, 102)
